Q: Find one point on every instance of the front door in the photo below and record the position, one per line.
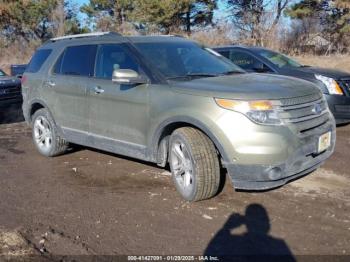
(118, 114)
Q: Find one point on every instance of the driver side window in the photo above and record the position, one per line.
(112, 57)
(243, 60)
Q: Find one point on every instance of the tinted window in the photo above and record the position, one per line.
(178, 59)
(243, 60)
(2, 73)
(225, 53)
(278, 59)
(38, 60)
(77, 60)
(112, 57)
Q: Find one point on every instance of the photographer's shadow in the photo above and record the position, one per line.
(256, 241)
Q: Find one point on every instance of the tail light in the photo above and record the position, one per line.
(24, 80)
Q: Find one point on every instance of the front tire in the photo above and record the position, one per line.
(45, 135)
(194, 164)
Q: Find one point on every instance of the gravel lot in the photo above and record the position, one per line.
(91, 202)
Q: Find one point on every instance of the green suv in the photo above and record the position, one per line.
(168, 100)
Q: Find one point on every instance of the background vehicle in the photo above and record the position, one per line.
(18, 70)
(334, 84)
(168, 100)
(10, 95)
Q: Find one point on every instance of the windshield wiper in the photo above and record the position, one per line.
(192, 75)
(232, 73)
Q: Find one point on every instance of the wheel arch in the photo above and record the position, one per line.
(35, 105)
(166, 128)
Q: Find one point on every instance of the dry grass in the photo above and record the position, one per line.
(340, 62)
(20, 53)
(16, 53)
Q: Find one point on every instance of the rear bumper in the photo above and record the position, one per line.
(301, 162)
(340, 107)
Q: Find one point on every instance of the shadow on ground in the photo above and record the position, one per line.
(255, 242)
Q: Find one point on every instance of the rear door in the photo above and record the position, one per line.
(69, 82)
(118, 113)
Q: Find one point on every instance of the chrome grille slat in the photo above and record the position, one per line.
(300, 100)
(305, 118)
(302, 110)
(313, 123)
(291, 107)
(304, 113)
(345, 83)
(12, 92)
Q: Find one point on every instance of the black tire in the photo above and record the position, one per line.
(58, 144)
(205, 180)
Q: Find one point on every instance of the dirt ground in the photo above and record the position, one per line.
(90, 202)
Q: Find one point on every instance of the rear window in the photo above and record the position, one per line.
(38, 60)
(77, 60)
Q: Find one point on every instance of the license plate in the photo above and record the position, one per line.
(324, 142)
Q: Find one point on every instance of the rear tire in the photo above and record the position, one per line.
(45, 135)
(194, 164)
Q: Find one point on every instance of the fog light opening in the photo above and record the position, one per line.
(275, 173)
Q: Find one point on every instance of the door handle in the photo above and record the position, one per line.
(50, 83)
(98, 90)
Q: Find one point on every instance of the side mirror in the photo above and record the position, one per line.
(259, 67)
(127, 77)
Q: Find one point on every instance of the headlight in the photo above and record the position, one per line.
(331, 84)
(261, 111)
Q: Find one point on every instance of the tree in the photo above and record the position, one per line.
(198, 13)
(108, 14)
(27, 19)
(65, 20)
(332, 17)
(174, 15)
(255, 19)
(37, 19)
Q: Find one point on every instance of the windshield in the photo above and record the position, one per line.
(279, 59)
(186, 59)
(2, 73)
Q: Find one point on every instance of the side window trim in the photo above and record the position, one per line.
(60, 55)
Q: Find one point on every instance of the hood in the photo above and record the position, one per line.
(9, 80)
(335, 74)
(247, 87)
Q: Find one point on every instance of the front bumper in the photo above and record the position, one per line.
(9, 104)
(265, 177)
(269, 157)
(340, 108)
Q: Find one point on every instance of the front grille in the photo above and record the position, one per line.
(10, 92)
(345, 83)
(304, 113)
(300, 100)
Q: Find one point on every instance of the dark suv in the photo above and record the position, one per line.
(334, 84)
(166, 99)
(10, 94)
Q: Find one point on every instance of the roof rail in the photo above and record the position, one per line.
(83, 35)
(163, 35)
